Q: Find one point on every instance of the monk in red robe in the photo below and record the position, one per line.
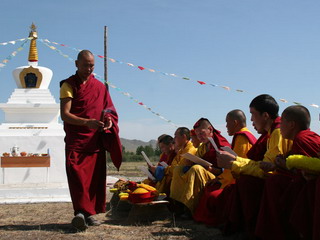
(247, 193)
(90, 124)
(189, 181)
(316, 213)
(213, 199)
(282, 188)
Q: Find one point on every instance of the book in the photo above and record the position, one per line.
(147, 172)
(146, 158)
(163, 164)
(214, 144)
(196, 160)
(229, 150)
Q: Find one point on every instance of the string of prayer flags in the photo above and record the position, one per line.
(113, 86)
(14, 41)
(172, 74)
(4, 62)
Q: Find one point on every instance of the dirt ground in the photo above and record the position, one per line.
(52, 221)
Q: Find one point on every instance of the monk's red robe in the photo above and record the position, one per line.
(244, 200)
(209, 210)
(187, 187)
(85, 147)
(167, 158)
(316, 213)
(233, 215)
(280, 196)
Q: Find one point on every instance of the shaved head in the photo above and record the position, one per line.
(298, 114)
(238, 115)
(203, 123)
(84, 53)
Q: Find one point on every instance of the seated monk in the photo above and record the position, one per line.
(195, 141)
(167, 148)
(212, 199)
(284, 186)
(188, 181)
(249, 186)
(183, 145)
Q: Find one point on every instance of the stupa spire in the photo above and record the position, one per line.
(33, 52)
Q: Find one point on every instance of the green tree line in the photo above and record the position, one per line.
(152, 153)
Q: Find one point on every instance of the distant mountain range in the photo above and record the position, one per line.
(132, 145)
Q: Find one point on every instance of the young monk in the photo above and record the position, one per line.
(166, 145)
(195, 141)
(264, 114)
(188, 181)
(273, 220)
(183, 145)
(242, 141)
(167, 148)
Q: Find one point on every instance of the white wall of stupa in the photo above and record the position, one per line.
(31, 124)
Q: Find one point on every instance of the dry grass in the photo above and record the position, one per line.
(52, 221)
(128, 169)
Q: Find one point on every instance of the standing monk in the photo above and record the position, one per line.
(90, 124)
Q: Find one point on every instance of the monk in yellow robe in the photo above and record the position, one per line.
(183, 145)
(195, 141)
(242, 142)
(188, 181)
(249, 186)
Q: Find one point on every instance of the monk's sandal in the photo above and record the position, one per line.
(79, 222)
(91, 221)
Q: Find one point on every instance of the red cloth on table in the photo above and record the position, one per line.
(85, 147)
(288, 194)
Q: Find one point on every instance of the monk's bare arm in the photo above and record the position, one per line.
(66, 116)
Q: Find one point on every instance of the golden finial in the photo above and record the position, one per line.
(33, 52)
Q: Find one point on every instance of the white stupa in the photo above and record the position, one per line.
(31, 124)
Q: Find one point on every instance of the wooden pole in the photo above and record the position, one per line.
(106, 56)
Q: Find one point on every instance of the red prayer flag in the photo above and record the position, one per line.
(202, 83)
(100, 56)
(141, 103)
(141, 68)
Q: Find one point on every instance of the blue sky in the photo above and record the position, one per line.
(259, 46)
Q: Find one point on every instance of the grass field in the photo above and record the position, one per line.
(128, 169)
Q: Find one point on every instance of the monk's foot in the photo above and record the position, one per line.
(79, 222)
(91, 221)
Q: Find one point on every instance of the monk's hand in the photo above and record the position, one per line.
(187, 162)
(225, 159)
(153, 169)
(108, 123)
(267, 166)
(93, 123)
(212, 182)
(281, 162)
(309, 175)
(215, 171)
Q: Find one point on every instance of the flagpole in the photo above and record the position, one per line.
(106, 56)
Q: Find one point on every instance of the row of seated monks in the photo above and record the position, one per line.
(269, 188)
